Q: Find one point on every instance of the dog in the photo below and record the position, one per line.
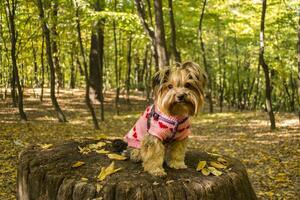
(161, 133)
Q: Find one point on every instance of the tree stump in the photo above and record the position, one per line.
(48, 174)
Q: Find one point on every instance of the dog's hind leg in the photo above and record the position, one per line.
(153, 152)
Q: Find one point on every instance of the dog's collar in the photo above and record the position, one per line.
(158, 116)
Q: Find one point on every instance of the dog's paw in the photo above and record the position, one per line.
(158, 172)
(177, 165)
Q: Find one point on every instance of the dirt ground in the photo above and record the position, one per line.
(271, 158)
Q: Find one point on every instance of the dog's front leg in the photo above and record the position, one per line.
(153, 152)
(176, 153)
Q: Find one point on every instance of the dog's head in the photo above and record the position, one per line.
(179, 90)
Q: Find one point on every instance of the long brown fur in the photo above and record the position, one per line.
(178, 91)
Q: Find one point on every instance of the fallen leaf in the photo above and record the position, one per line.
(78, 164)
(222, 161)
(107, 171)
(205, 172)
(214, 171)
(170, 181)
(201, 165)
(45, 146)
(102, 151)
(155, 183)
(217, 165)
(115, 156)
(84, 179)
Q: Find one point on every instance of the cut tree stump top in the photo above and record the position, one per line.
(48, 174)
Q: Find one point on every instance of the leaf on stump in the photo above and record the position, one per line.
(102, 151)
(201, 165)
(115, 156)
(205, 172)
(45, 146)
(217, 165)
(106, 171)
(78, 164)
(222, 161)
(214, 171)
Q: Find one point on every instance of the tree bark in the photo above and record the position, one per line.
(48, 174)
(160, 40)
(209, 85)
(299, 64)
(86, 75)
(42, 69)
(60, 115)
(265, 67)
(55, 53)
(176, 53)
(10, 12)
(128, 58)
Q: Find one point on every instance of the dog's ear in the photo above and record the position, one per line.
(160, 77)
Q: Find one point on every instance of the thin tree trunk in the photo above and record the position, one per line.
(55, 52)
(43, 69)
(128, 68)
(60, 115)
(36, 81)
(163, 59)
(176, 53)
(209, 85)
(10, 12)
(116, 68)
(299, 63)
(86, 76)
(72, 69)
(265, 66)
(101, 60)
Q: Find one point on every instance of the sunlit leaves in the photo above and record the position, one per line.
(106, 171)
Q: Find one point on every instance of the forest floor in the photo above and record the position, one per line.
(271, 158)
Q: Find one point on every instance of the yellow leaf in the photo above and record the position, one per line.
(217, 165)
(214, 171)
(107, 171)
(114, 156)
(45, 146)
(222, 161)
(205, 172)
(201, 165)
(102, 151)
(78, 164)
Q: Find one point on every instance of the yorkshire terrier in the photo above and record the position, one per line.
(161, 133)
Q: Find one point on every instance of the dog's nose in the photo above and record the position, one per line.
(181, 97)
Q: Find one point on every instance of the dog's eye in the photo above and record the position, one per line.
(170, 86)
(187, 85)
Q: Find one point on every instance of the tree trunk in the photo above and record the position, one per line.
(60, 83)
(101, 60)
(86, 76)
(72, 69)
(128, 68)
(48, 174)
(176, 53)
(36, 81)
(209, 85)
(299, 64)
(116, 63)
(160, 40)
(10, 12)
(43, 69)
(265, 66)
(60, 115)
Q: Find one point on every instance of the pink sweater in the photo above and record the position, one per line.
(160, 126)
